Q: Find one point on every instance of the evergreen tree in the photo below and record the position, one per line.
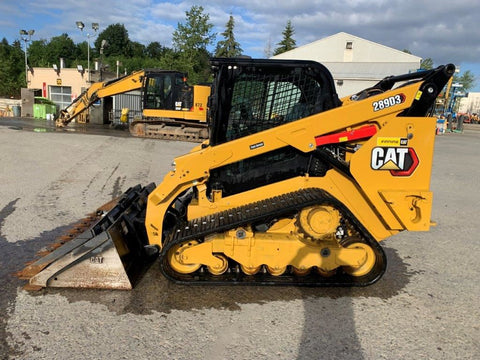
(287, 43)
(467, 79)
(195, 34)
(12, 68)
(228, 47)
(426, 64)
(190, 40)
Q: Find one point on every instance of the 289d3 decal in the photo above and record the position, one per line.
(388, 102)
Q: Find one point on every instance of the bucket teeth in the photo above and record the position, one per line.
(77, 229)
(69, 235)
(103, 250)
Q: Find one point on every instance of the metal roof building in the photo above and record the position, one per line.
(355, 63)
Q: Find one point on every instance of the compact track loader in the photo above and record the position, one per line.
(293, 187)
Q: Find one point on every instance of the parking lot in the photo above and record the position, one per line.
(425, 307)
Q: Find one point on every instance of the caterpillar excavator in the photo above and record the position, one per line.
(293, 187)
(171, 109)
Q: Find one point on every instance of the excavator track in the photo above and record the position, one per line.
(169, 129)
(262, 212)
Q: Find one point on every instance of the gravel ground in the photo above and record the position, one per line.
(425, 306)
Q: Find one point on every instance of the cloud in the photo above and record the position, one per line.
(443, 31)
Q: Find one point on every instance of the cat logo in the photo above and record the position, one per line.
(400, 161)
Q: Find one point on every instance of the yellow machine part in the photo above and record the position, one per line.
(197, 113)
(283, 245)
(343, 177)
(77, 109)
(361, 194)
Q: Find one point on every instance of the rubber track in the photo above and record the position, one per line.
(256, 213)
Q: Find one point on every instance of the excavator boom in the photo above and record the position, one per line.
(97, 91)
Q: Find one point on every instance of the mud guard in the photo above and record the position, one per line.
(112, 254)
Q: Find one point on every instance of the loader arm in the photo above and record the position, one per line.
(97, 91)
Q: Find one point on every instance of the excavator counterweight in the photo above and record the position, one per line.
(294, 186)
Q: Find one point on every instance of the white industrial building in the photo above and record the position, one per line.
(470, 104)
(355, 63)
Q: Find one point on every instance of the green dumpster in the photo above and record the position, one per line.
(42, 107)
(39, 111)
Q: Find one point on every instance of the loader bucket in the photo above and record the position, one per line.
(112, 254)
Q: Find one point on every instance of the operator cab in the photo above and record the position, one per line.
(167, 90)
(253, 95)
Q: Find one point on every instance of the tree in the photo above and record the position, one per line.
(136, 49)
(37, 53)
(467, 79)
(154, 50)
(60, 47)
(190, 40)
(287, 43)
(228, 47)
(426, 64)
(196, 33)
(118, 41)
(12, 68)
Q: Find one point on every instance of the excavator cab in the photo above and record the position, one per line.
(172, 109)
(166, 90)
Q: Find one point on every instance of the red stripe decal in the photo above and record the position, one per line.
(360, 133)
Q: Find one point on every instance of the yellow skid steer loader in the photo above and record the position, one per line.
(293, 187)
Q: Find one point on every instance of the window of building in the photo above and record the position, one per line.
(61, 95)
(349, 45)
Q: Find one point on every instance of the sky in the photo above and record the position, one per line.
(445, 31)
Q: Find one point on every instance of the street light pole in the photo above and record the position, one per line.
(95, 27)
(26, 37)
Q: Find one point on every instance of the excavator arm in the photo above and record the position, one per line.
(97, 91)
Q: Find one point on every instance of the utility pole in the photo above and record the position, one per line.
(95, 27)
(26, 37)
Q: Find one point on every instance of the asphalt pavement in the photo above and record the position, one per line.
(425, 307)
